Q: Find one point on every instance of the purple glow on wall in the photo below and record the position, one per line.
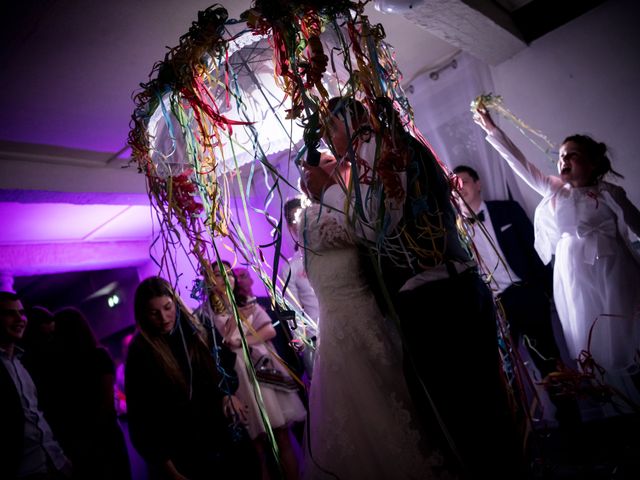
(45, 238)
(57, 222)
(57, 232)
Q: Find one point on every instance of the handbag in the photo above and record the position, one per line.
(268, 375)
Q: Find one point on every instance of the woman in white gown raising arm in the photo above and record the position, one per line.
(585, 221)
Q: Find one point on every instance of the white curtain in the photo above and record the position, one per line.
(442, 114)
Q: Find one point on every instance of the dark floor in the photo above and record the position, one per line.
(600, 449)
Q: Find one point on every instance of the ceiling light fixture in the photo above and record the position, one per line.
(396, 6)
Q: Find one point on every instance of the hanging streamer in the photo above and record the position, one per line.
(234, 92)
(489, 101)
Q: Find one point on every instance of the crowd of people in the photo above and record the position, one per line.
(57, 404)
(407, 271)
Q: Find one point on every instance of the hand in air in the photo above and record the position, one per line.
(481, 117)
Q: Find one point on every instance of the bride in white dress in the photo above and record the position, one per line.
(361, 422)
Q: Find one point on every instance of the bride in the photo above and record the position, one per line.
(361, 423)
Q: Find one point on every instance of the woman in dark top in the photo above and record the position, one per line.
(179, 396)
(84, 419)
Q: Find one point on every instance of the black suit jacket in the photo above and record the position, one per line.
(426, 236)
(514, 234)
(11, 425)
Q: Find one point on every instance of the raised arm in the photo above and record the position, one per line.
(541, 183)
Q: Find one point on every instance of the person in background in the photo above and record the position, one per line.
(299, 286)
(245, 283)
(184, 419)
(586, 222)
(282, 406)
(119, 393)
(86, 421)
(40, 329)
(502, 236)
(28, 449)
(41, 352)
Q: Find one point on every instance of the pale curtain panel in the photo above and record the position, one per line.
(442, 114)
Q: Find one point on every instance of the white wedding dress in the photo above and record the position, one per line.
(361, 422)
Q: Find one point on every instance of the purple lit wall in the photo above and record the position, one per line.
(55, 238)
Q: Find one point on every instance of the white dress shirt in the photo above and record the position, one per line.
(492, 261)
(40, 447)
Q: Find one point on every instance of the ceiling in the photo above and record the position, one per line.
(68, 73)
(69, 70)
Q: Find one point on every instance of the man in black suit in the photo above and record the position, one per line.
(27, 446)
(521, 283)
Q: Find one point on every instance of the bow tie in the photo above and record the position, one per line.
(479, 216)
